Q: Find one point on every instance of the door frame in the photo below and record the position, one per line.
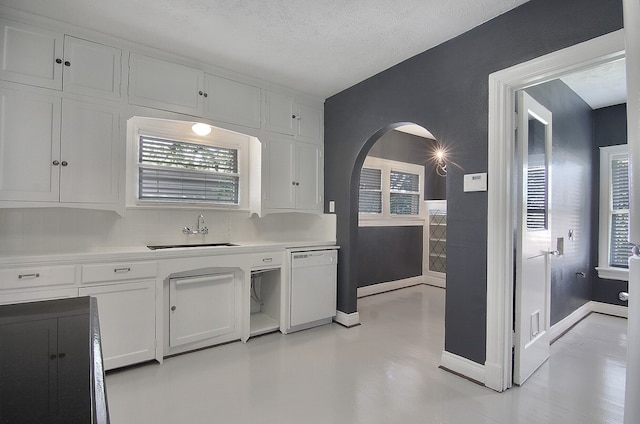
(501, 225)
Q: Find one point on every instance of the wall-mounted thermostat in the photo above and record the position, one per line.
(475, 182)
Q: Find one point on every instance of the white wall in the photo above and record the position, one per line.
(60, 230)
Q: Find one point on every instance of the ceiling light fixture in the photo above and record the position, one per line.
(201, 129)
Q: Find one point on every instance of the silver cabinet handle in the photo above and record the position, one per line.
(121, 270)
(36, 275)
(267, 260)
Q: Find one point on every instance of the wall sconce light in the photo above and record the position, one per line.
(441, 164)
(201, 129)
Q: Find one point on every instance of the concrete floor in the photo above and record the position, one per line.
(384, 371)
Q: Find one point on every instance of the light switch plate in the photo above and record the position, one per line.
(475, 182)
(332, 206)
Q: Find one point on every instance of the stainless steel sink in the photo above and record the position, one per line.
(175, 246)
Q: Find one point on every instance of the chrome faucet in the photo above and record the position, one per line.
(199, 229)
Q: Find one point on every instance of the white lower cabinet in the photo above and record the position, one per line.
(201, 309)
(127, 321)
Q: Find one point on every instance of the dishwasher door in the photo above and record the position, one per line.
(313, 286)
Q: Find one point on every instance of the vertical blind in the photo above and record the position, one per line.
(404, 193)
(370, 199)
(178, 171)
(619, 248)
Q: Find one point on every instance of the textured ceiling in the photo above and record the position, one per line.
(600, 86)
(317, 46)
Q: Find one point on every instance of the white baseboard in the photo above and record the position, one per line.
(348, 320)
(432, 280)
(561, 327)
(608, 309)
(388, 286)
(462, 366)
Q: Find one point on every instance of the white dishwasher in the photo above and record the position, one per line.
(313, 288)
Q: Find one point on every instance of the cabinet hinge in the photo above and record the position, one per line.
(515, 120)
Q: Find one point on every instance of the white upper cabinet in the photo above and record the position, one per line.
(47, 59)
(91, 69)
(309, 123)
(89, 149)
(292, 178)
(57, 150)
(233, 102)
(30, 55)
(165, 85)
(30, 143)
(280, 113)
(286, 116)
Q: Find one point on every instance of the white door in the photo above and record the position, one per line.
(632, 39)
(280, 113)
(533, 238)
(29, 145)
(201, 308)
(309, 177)
(281, 188)
(89, 154)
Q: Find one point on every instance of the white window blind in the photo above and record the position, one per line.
(370, 199)
(619, 247)
(536, 198)
(404, 193)
(178, 171)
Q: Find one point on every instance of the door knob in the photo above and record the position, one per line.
(173, 308)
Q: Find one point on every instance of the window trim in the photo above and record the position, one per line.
(181, 131)
(607, 154)
(386, 218)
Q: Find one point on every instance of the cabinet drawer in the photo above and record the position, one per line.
(18, 278)
(37, 295)
(271, 259)
(118, 271)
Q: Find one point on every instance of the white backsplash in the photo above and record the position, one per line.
(61, 230)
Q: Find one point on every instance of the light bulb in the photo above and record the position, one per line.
(201, 129)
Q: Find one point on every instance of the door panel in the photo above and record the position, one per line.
(533, 238)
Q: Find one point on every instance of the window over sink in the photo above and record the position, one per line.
(170, 165)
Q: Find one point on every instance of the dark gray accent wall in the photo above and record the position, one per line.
(389, 254)
(445, 90)
(571, 195)
(610, 129)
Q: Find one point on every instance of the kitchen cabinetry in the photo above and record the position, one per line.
(31, 283)
(286, 116)
(126, 294)
(45, 363)
(293, 175)
(57, 150)
(48, 59)
(174, 87)
(233, 102)
(202, 308)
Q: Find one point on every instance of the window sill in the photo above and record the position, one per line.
(390, 222)
(613, 273)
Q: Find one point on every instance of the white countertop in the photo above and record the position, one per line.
(144, 253)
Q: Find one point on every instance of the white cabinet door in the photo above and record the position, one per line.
(309, 179)
(30, 55)
(89, 155)
(280, 174)
(310, 124)
(280, 113)
(91, 69)
(30, 145)
(232, 101)
(127, 321)
(165, 85)
(201, 308)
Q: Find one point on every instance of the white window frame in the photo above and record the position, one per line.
(386, 218)
(181, 131)
(607, 154)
